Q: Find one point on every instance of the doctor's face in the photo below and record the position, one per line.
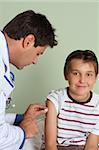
(29, 56)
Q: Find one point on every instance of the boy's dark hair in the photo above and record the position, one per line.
(29, 22)
(85, 55)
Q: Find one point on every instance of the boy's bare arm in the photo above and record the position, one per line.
(92, 142)
(50, 127)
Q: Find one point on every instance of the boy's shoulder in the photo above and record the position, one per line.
(95, 99)
(96, 95)
(57, 97)
(60, 91)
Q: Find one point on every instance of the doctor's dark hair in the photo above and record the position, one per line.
(85, 55)
(29, 22)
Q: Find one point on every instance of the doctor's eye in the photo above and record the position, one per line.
(37, 54)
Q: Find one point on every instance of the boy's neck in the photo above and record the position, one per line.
(79, 100)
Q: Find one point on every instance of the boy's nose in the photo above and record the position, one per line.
(82, 78)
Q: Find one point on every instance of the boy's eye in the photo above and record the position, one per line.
(75, 73)
(89, 74)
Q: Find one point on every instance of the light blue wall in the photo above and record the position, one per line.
(77, 27)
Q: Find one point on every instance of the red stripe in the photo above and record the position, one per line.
(80, 112)
(80, 104)
(71, 129)
(76, 121)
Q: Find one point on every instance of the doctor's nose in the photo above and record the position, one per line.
(35, 60)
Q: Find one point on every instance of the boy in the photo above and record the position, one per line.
(73, 111)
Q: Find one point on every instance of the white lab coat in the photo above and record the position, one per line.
(11, 137)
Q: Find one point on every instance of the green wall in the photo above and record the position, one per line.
(77, 27)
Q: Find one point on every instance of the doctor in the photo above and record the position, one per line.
(22, 41)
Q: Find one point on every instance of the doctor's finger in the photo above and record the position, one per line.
(36, 107)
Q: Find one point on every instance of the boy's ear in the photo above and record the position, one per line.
(66, 77)
(29, 41)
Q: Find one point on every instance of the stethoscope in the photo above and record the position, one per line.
(9, 101)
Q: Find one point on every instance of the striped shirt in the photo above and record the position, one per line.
(75, 121)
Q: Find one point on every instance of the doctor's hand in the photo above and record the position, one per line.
(30, 127)
(35, 110)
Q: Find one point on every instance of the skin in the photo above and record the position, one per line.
(81, 77)
(23, 53)
(92, 142)
(29, 123)
(50, 127)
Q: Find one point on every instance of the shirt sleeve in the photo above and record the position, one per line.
(96, 129)
(54, 97)
(11, 137)
(18, 119)
(10, 118)
(14, 119)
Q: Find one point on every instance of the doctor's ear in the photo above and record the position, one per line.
(29, 41)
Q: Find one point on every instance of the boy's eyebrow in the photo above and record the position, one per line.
(79, 70)
(74, 69)
(91, 71)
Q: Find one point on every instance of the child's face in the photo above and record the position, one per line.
(81, 78)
